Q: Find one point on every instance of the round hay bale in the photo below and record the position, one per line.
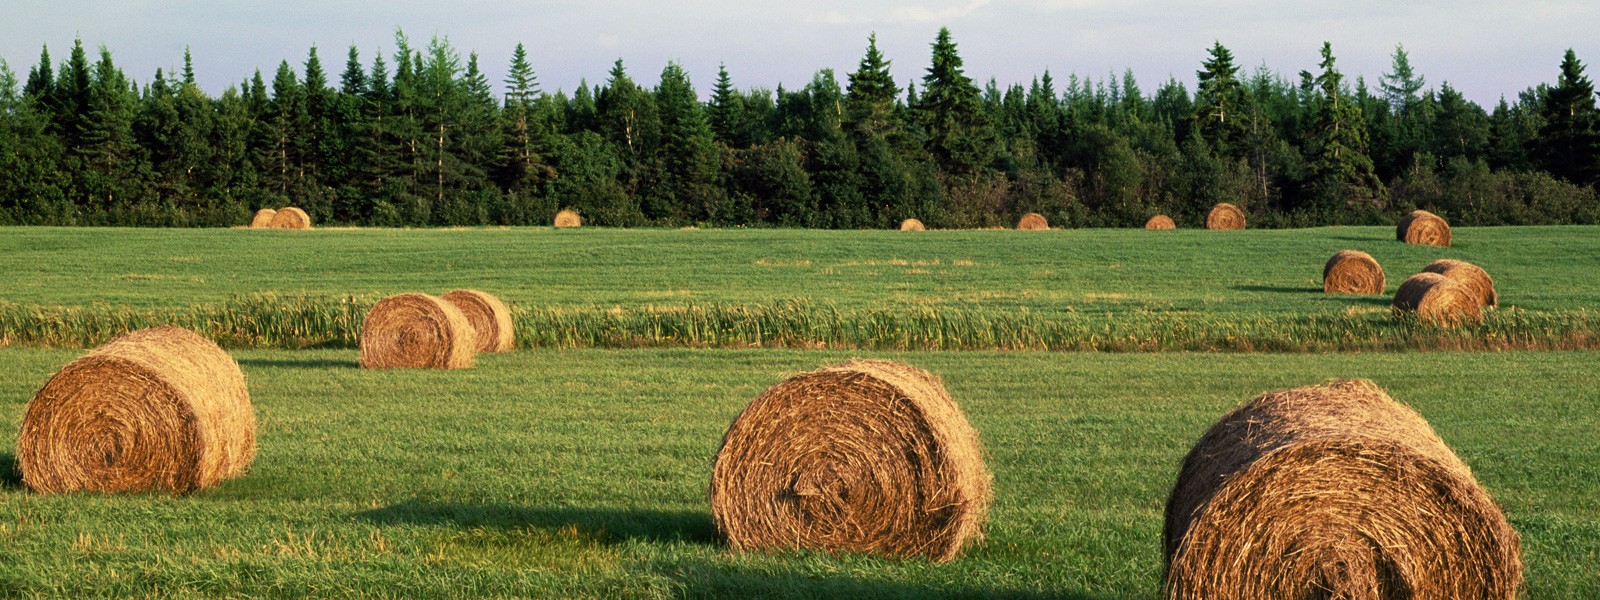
(416, 331)
(1352, 272)
(911, 225)
(1333, 491)
(1470, 275)
(1160, 222)
(1033, 222)
(291, 218)
(567, 218)
(263, 219)
(1225, 216)
(1423, 227)
(1437, 300)
(491, 322)
(867, 456)
(155, 409)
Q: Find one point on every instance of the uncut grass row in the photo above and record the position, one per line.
(270, 321)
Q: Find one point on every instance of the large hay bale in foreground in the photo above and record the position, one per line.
(1160, 222)
(867, 456)
(911, 225)
(155, 409)
(1333, 491)
(416, 331)
(1468, 274)
(491, 322)
(1352, 272)
(263, 219)
(1423, 227)
(1225, 216)
(567, 218)
(1436, 300)
(1033, 222)
(291, 218)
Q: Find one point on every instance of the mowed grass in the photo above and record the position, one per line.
(583, 473)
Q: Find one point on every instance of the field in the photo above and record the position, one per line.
(582, 472)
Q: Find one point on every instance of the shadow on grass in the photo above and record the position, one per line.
(318, 363)
(1356, 238)
(702, 580)
(1277, 288)
(10, 472)
(614, 524)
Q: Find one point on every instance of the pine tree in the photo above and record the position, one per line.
(870, 97)
(1567, 142)
(1220, 103)
(523, 162)
(687, 154)
(108, 148)
(726, 111)
(41, 79)
(959, 134)
(1337, 144)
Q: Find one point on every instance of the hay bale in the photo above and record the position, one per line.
(1333, 491)
(867, 456)
(1033, 222)
(1225, 216)
(567, 218)
(1160, 222)
(911, 225)
(1423, 227)
(1437, 300)
(263, 219)
(291, 218)
(1352, 272)
(491, 322)
(1470, 275)
(155, 409)
(416, 331)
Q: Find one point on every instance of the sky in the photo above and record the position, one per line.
(1487, 49)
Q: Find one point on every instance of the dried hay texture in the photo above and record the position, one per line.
(1437, 300)
(416, 331)
(291, 218)
(1225, 216)
(567, 218)
(867, 456)
(263, 219)
(155, 409)
(911, 225)
(1352, 272)
(1160, 222)
(1033, 221)
(1333, 491)
(1470, 275)
(1423, 227)
(491, 322)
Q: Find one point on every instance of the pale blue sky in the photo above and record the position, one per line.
(1486, 48)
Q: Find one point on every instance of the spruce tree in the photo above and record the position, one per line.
(1567, 142)
(951, 109)
(523, 162)
(687, 154)
(871, 93)
(726, 111)
(1220, 102)
(1336, 142)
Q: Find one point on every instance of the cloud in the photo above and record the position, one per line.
(923, 14)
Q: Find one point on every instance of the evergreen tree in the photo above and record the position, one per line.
(959, 134)
(726, 111)
(1337, 144)
(523, 162)
(626, 116)
(1567, 141)
(871, 94)
(41, 79)
(687, 155)
(108, 149)
(1220, 103)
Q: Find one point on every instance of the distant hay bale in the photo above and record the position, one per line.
(1423, 227)
(1225, 216)
(567, 218)
(263, 219)
(1352, 272)
(1160, 222)
(1437, 300)
(1033, 221)
(911, 225)
(867, 456)
(155, 409)
(416, 331)
(1333, 491)
(491, 322)
(1470, 275)
(291, 218)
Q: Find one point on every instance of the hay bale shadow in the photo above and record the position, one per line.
(1278, 289)
(613, 525)
(10, 472)
(702, 579)
(319, 363)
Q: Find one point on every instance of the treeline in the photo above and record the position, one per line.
(423, 140)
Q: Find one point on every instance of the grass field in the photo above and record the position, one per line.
(583, 473)
(1076, 289)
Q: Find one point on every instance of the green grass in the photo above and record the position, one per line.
(583, 473)
(1057, 290)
